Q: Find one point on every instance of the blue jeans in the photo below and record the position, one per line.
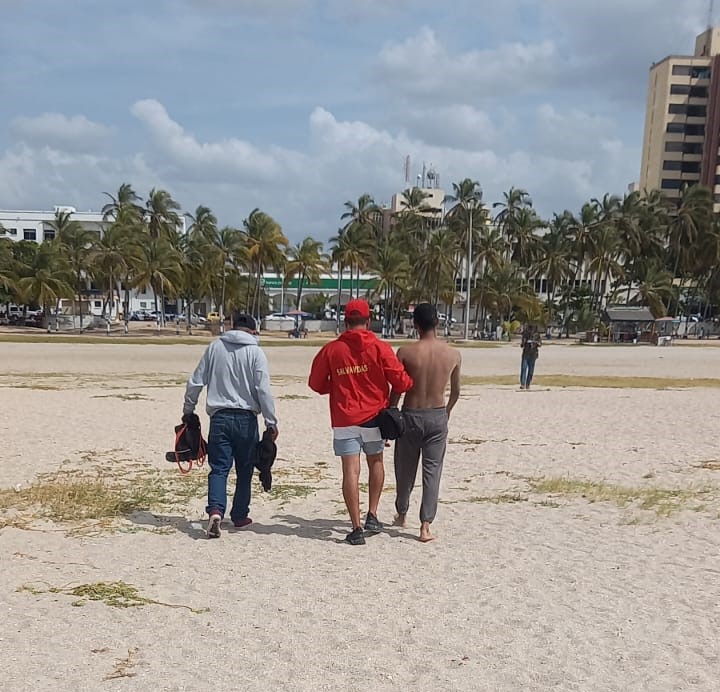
(527, 369)
(233, 435)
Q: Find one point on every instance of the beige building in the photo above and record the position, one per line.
(682, 121)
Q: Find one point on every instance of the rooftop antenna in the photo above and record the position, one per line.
(407, 169)
(711, 14)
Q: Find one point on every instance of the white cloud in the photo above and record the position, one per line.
(422, 67)
(305, 188)
(75, 133)
(456, 126)
(235, 159)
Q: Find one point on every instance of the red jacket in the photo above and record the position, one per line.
(357, 371)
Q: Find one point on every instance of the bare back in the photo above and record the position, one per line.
(432, 364)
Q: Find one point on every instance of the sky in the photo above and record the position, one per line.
(297, 106)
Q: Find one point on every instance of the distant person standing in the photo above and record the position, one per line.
(357, 371)
(530, 345)
(432, 364)
(235, 371)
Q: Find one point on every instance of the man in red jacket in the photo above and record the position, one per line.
(357, 370)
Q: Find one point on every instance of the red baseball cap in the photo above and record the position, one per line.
(357, 308)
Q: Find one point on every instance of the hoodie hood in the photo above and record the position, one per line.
(358, 338)
(239, 337)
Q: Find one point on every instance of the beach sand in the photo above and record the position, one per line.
(578, 537)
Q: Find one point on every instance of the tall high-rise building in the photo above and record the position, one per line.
(682, 121)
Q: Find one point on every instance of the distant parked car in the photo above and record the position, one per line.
(194, 319)
(142, 316)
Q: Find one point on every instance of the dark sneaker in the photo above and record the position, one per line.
(356, 537)
(372, 525)
(241, 523)
(213, 529)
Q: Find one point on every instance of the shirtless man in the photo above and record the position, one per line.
(431, 363)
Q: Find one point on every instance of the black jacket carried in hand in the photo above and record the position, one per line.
(267, 451)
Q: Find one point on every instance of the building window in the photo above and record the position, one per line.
(695, 130)
(684, 147)
(672, 165)
(143, 303)
(680, 89)
(717, 179)
(690, 167)
(48, 234)
(668, 184)
(98, 303)
(677, 108)
(696, 111)
(698, 92)
(11, 231)
(29, 234)
(676, 128)
(682, 70)
(717, 196)
(700, 72)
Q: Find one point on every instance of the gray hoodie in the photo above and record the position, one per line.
(235, 370)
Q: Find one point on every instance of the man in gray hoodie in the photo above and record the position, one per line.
(235, 371)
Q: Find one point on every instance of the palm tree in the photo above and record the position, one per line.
(515, 201)
(415, 214)
(203, 223)
(688, 221)
(231, 253)
(392, 268)
(75, 245)
(553, 260)
(126, 200)
(490, 251)
(8, 277)
(109, 263)
(159, 268)
(306, 261)
(352, 247)
(436, 267)
(161, 215)
(366, 215)
(265, 244)
(469, 211)
(162, 221)
(654, 290)
(46, 280)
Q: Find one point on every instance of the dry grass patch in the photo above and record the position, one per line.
(133, 396)
(124, 666)
(662, 501)
(466, 441)
(597, 381)
(116, 594)
(709, 465)
(95, 499)
(502, 499)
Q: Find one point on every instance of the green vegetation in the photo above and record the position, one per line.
(638, 249)
(662, 501)
(598, 381)
(116, 594)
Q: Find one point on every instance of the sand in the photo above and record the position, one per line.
(523, 590)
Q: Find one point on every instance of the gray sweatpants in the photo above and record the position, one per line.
(426, 433)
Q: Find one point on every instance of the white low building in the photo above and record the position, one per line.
(37, 226)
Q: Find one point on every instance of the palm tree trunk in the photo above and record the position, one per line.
(57, 316)
(339, 298)
(222, 303)
(126, 310)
